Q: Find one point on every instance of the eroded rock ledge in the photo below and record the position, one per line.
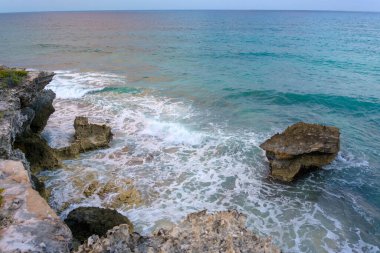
(199, 232)
(299, 148)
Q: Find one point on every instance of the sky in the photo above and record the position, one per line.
(78, 5)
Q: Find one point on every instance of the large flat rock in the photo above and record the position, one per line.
(27, 223)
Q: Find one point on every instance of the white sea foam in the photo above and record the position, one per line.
(172, 133)
(191, 168)
(72, 85)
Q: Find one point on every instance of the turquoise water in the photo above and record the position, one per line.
(213, 85)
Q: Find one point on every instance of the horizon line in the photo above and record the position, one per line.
(153, 10)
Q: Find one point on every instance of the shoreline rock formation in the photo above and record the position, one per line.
(27, 222)
(301, 147)
(24, 110)
(199, 232)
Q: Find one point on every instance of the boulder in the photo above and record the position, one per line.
(199, 232)
(87, 221)
(299, 148)
(27, 223)
(88, 136)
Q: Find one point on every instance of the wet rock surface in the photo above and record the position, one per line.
(27, 223)
(199, 232)
(299, 148)
(87, 221)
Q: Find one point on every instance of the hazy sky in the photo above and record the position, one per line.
(65, 5)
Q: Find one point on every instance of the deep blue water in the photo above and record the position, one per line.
(224, 80)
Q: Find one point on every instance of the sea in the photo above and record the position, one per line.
(190, 96)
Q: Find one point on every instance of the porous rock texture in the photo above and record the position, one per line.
(299, 148)
(87, 221)
(27, 223)
(199, 232)
(88, 136)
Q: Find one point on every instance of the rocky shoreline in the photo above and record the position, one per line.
(28, 224)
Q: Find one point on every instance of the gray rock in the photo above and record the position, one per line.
(299, 148)
(43, 107)
(20, 106)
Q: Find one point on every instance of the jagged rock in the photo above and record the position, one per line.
(86, 221)
(88, 136)
(199, 232)
(91, 136)
(301, 147)
(43, 107)
(27, 223)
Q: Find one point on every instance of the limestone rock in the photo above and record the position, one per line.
(91, 136)
(301, 147)
(88, 136)
(27, 223)
(86, 221)
(199, 232)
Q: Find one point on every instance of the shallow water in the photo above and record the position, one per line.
(193, 94)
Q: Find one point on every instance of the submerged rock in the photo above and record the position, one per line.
(301, 147)
(27, 223)
(87, 221)
(88, 136)
(122, 195)
(199, 232)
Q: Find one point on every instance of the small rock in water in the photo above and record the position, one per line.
(301, 147)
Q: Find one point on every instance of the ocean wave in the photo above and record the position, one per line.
(74, 85)
(172, 133)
